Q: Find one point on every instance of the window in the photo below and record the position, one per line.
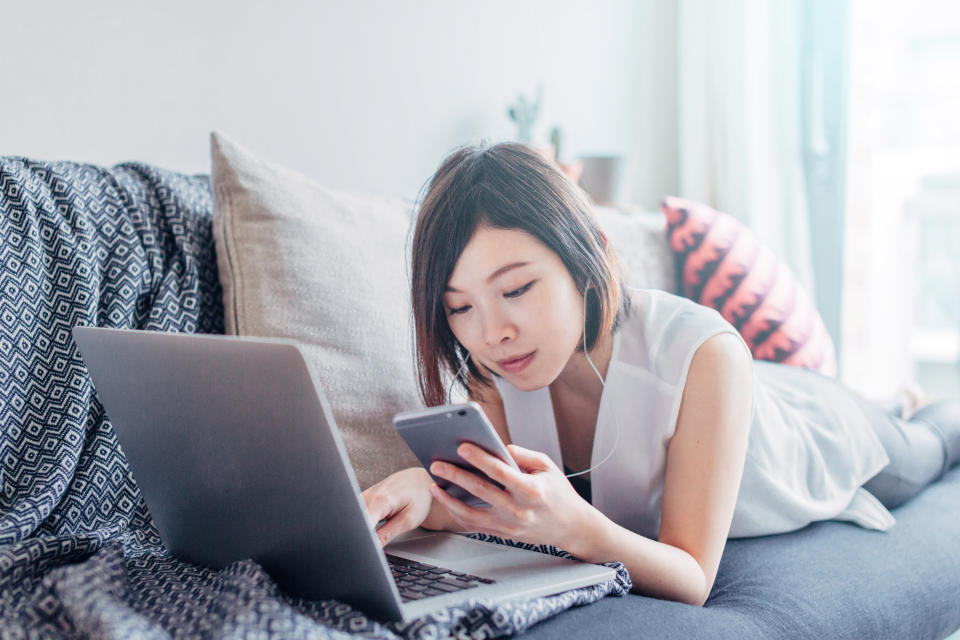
(902, 235)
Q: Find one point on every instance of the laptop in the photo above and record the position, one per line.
(235, 450)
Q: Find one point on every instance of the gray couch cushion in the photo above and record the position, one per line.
(828, 580)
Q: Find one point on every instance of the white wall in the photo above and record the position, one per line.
(362, 95)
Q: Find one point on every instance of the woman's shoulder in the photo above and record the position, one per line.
(657, 304)
(663, 330)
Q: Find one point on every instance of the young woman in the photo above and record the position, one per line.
(673, 438)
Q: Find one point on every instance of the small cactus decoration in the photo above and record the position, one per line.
(525, 113)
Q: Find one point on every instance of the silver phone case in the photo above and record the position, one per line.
(436, 432)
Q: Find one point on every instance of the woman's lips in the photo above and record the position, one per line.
(517, 364)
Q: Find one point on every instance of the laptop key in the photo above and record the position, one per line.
(458, 575)
(416, 580)
(457, 584)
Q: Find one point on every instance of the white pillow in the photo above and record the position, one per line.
(328, 269)
(640, 240)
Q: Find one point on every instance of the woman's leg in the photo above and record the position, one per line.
(944, 418)
(921, 449)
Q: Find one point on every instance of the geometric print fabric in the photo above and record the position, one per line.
(129, 246)
(122, 247)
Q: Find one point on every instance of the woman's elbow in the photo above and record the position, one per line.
(691, 599)
(705, 592)
(685, 595)
(698, 600)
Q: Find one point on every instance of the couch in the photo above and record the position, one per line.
(133, 246)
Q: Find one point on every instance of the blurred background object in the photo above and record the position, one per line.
(524, 113)
(603, 178)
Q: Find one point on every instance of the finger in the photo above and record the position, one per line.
(379, 504)
(494, 467)
(530, 460)
(469, 481)
(469, 518)
(400, 523)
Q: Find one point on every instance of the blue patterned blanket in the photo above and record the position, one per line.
(131, 246)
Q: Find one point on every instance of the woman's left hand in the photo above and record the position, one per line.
(537, 505)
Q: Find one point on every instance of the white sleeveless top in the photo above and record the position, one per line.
(801, 466)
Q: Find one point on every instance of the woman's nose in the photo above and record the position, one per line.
(497, 327)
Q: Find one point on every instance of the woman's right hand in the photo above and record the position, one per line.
(403, 499)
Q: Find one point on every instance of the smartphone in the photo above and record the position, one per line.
(435, 434)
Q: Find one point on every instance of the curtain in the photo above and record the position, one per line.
(740, 134)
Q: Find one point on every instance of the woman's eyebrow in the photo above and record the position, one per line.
(496, 274)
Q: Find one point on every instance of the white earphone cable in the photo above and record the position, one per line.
(456, 377)
(616, 440)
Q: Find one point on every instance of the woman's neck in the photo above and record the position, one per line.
(578, 376)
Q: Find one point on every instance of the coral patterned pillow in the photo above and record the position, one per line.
(721, 264)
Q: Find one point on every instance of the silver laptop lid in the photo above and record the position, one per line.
(232, 444)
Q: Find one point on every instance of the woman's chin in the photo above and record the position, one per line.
(526, 383)
(526, 387)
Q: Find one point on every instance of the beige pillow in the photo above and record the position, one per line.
(325, 268)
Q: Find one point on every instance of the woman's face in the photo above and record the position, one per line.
(512, 303)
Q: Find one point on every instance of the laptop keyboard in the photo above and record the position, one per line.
(418, 580)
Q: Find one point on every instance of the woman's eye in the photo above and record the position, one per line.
(462, 309)
(519, 292)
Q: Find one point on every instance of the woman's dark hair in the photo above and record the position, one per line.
(507, 186)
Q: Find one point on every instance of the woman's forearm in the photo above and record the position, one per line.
(656, 569)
